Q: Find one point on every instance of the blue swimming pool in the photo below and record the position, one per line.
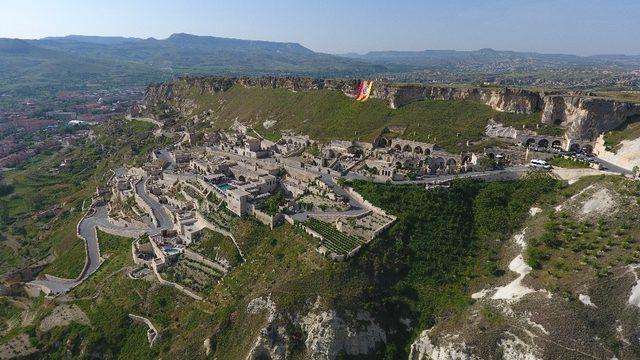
(224, 187)
(171, 250)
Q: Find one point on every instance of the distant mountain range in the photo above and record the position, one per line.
(28, 66)
(82, 60)
(431, 58)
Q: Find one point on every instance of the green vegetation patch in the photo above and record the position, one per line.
(107, 297)
(45, 202)
(8, 312)
(70, 251)
(568, 162)
(212, 244)
(570, 243)
(271, 205)
(442, 242)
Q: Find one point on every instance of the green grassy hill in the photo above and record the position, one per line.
(329, 114)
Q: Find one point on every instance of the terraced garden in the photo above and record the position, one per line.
(334, 240)
(193, 274)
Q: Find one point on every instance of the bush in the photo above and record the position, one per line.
(536, 256)
(6, 189)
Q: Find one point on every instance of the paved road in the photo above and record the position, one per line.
(87, 229)
(165, 221)
(512, 172)
(613, 167)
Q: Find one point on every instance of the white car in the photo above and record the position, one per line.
(541, 164)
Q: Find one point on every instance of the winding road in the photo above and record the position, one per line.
(164, 220)
(87, 230)
(98, 218)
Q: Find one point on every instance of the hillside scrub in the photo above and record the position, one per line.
(422, 267)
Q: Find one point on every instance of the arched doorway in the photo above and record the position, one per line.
(543, 143)
(438, 163)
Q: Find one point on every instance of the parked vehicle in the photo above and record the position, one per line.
(541, 164)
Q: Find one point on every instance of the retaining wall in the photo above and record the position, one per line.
(152, 333)
(270, 220)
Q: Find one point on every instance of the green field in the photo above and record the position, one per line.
(211, 244)
(328, 114)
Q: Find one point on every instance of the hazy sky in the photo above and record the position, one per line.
(338, 26)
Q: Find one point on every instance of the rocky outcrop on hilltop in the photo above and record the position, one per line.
(501, 99)
(584, 116)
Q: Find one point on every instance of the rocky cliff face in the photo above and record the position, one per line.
(583, 116)
(586, 117)
(327, 335)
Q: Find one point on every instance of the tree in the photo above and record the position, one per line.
(4, 212)
(486, 163)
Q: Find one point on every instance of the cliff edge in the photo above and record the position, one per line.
(584, 117)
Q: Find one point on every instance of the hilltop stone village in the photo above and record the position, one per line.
(185, 198)
(187, 190)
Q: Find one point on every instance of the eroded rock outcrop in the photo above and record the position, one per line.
(584, 116)
(326, 334)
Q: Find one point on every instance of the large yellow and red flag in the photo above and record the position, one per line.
(364, 90)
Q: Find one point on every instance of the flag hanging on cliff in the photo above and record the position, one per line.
(364, 90)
